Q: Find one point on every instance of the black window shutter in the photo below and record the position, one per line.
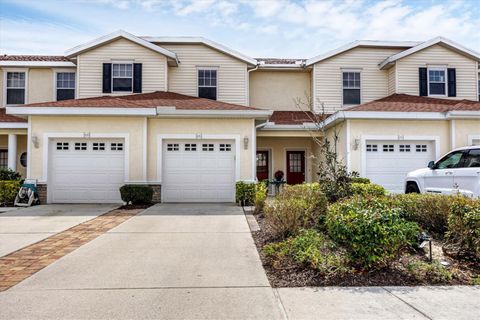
(137, 78)
(452, 82)
(422, 82)
(107, 78)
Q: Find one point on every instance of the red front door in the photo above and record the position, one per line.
(262, 165)
(295, 167)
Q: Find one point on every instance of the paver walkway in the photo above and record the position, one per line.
(21, 264)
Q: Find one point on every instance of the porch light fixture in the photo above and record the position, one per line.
(245, 142)
(35, 141)
(356, 143)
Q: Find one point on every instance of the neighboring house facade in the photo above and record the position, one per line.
(191, 117)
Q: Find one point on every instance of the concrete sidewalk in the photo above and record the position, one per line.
(369, 303)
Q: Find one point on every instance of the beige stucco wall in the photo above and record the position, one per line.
(464, 129)
(278, 147)
(21, 146)
(359, 128)
(278, 90)
(232, 75)
(328, 86)
(90, 66)
(132, 126)
(338, 145)
(39, 84)
(466, 70)
(241, 127)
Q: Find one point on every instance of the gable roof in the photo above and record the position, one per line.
(207, 42)
(438, 40)
(362, 43)
(9, 118)
(114, 36)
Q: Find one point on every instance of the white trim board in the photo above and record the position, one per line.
(38, 64)
(193, 136)
(13, 125)
(364, 138)
(82, 111)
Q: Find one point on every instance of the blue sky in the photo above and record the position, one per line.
(259, 28)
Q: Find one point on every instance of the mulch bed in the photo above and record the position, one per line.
(290, 274)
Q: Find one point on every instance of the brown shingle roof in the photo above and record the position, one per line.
(9, 118)
(295, 117)
(280, 60)
(145, 100)
(408, 103)
(5, 57)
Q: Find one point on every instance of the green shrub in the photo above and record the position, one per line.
(367, 189)
(463, 235)
(360, 180)
(245, 193)
(372, 232)
(431, 273)
(261, 191)
(311, 249)
(136, 194)
(296, 207)
(7, 174)
(8, 191)
(430, 211)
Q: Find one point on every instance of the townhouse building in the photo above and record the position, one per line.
(190, 117)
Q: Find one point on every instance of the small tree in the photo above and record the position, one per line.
(332, 173)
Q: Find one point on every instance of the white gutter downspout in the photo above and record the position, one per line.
(248, 83)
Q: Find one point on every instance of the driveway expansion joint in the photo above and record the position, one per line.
(408, 304)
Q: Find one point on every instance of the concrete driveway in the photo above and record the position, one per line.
(24, 226)
(171, 261)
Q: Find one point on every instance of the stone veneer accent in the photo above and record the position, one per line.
(157, 193)
(42, 193)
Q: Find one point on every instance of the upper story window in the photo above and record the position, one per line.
(15, 88)
(207, 83)
(351, 87)
(65, 85)
(122, 77)
(437, 81)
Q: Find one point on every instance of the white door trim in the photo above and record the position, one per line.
(193, 136)
(364, 138)
(82, 135)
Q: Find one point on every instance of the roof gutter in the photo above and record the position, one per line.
(463, 114)
(271, 126)
(176, 113)
(13, 125)
(81, 111)
(44, 64)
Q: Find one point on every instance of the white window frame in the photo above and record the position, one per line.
(437, 68)
(359, 71)
(55, 72)
(207, 68)
(7, 70)
(113, 77)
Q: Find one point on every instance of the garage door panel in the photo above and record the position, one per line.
(83, 176)
(198, 171)
(388, 162)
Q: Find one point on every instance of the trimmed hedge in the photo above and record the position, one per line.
(261, 192)
(136, 194)
(360, 180)
(8, 191)
(245, 193)
(373, 232)
(367, 189)
(8, 174)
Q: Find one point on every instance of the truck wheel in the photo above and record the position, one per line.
(412, 188)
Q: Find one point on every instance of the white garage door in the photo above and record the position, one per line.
(198, 171)
(388, 162)
(86, 170)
